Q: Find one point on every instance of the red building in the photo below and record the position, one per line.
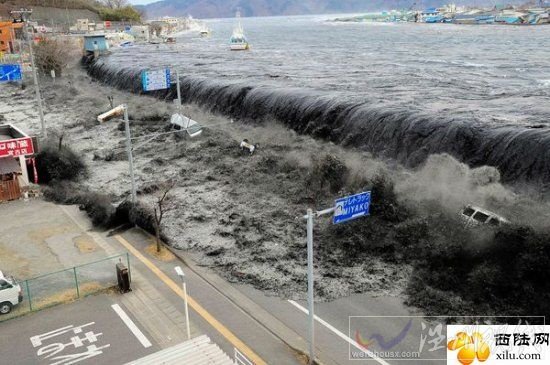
(15, 148)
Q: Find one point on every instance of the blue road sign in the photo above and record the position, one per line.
(10, 73)
(351, 207)
(155, 79)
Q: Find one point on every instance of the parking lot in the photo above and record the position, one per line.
(94, 330)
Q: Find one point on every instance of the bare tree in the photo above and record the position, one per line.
(52, 54)
(114, 4)
(161, 207)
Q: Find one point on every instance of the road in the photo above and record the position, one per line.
(95, 330)
(265, 329)
(254, 318)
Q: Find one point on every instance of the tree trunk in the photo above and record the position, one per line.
(157, 234)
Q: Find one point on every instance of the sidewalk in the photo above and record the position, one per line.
(231, 316)
(159, 317)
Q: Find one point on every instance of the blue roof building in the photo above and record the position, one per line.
(93, 43)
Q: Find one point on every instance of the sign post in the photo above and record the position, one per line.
(178, 88)
(345, 209)
(129, 152)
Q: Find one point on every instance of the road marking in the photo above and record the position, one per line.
(224, 331)
(131, 326)
(340, 334)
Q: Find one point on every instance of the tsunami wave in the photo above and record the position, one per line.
(520, 153)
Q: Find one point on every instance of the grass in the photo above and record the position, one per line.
(164, 255)
(67, 296)
(84, 244)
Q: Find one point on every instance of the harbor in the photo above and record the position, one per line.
(453, 14)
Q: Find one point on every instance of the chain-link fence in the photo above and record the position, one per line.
(67, 285)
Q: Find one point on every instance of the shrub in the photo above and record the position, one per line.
(58, 162)
(97, 206)
(126, 13)
(328, 175)
(137, 214)
(51, 54)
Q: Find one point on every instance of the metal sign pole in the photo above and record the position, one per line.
(129, 151)
(36, 86)
(309, 217)
(310, 285)
(178, 86)
(345, 209)
(186, 311)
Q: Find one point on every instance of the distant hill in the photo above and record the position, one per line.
(227, 8)
(51, 12)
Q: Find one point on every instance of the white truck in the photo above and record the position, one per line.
(10, 294)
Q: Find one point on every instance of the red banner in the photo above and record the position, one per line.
(16, 147)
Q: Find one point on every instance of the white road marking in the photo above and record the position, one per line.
(340, 334)
(131, 326)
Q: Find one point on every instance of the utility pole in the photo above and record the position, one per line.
(129, 151)
(178, 86)
(181, 274)
(22, 13)
(311, 325)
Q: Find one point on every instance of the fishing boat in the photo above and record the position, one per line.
(205, 31)
(238, 40)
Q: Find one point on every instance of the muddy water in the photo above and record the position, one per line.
(404, 91)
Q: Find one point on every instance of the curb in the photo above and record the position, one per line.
(273, 325)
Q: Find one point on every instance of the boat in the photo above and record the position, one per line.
(205, 32)
(238, 40)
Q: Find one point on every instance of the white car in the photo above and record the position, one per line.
(10, 294)
(476, 216)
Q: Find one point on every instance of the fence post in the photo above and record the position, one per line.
(129, 270)
(76, 283)
(28, 294)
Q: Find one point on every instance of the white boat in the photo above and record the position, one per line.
(205, 32)
(238, 40)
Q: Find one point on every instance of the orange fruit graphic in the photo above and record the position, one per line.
(483, 352)
(470, 347)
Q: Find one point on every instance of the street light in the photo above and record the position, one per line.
(181, 274)
(123, 109)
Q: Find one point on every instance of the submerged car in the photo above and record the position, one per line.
(10, 294)
(476, 216)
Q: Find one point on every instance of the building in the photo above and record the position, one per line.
(141, 33)
(15, 148)
(95, 43)
(9, 32)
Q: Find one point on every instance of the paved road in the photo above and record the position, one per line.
(336, 339)
(223, 321)
(89, 331)
(343, 324)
